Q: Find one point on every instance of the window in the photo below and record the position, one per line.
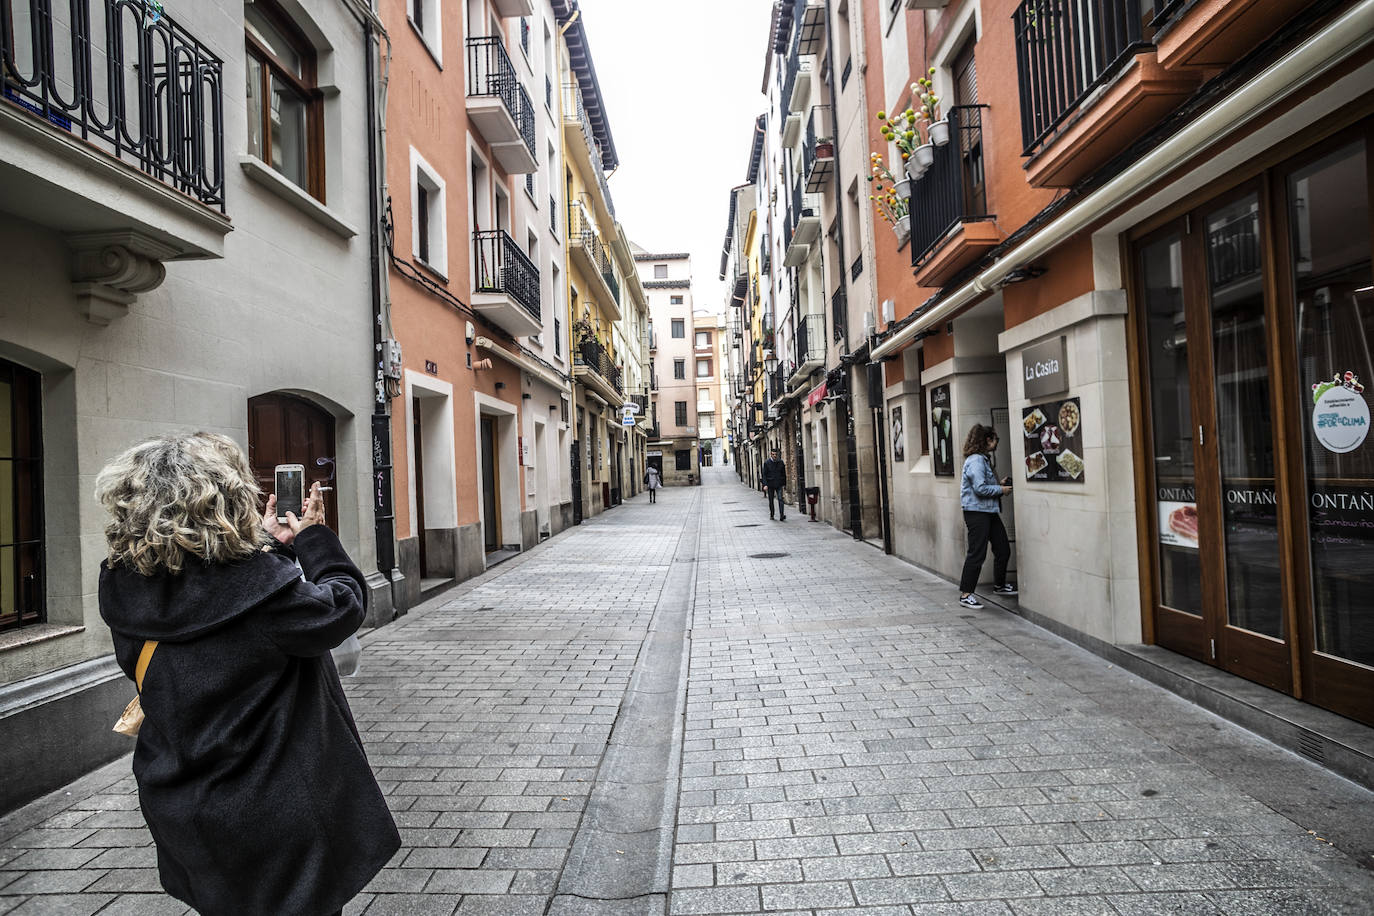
(680, 412)
(683, 459)
(703, 368)
(674, 300)
(424, 16)
(529, 187)
(660, 271)
(284, 106)
(679, 328)
(679, 368)
(428, 231)
(21, 498)
(703, 340)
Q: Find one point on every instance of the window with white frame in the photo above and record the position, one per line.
(425, 17)
(429, 236)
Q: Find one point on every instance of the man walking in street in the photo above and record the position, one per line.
(774, 479)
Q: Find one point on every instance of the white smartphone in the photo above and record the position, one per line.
(290, 490)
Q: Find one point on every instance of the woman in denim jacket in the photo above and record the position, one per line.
(980, 496)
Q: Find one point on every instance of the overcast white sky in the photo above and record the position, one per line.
(681, 82)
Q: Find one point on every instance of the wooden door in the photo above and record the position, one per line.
(285, 429)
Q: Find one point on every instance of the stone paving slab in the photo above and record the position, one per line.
(840, 738)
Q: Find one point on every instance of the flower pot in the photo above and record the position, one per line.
(903, 228)
(925, 154)
(903, 188)
(939, 132)
(915, 169)
(825, 150)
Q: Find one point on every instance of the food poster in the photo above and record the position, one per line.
(1177, 508)
(1054, 441)
(942, 431)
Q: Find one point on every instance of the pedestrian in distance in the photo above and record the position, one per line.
(251, 773)
(980, 496)
(653, 481)
(774, 480)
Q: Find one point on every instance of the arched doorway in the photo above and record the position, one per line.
(286, 429)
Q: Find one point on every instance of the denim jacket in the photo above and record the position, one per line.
(979, 490)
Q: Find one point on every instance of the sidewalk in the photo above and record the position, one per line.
(687, 708)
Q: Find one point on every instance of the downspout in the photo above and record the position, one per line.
(851, 445)
(1339, 40)
(576, 492)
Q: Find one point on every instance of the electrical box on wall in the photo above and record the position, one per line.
(391, 358)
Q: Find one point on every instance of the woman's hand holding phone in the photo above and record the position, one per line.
(313, 515)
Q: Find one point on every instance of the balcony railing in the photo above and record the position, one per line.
(839, 314)
(593, 355)
(490, 73)
(643, 401)
(818, 151)
(575, 112)
(580, 232)
(1064, 50)
(952, 189)
(811, 340)
(501, 267)
(146, 92)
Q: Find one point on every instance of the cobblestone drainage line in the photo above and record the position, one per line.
(621, 857)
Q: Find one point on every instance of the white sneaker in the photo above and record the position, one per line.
(970, 600)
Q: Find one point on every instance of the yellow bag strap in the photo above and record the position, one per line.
(144, 657)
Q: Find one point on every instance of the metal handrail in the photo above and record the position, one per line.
(593, 355)
(142, 90)
(501, 267)
(1065, 49)
(810, 339)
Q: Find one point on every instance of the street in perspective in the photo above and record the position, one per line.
(622, 458)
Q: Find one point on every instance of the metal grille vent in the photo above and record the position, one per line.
(1312, 747)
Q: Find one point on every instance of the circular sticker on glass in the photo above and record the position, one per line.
(1340, 420)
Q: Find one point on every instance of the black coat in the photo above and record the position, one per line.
(250, 771)
(774, 473)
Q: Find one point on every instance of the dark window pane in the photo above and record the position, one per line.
(1329, 216)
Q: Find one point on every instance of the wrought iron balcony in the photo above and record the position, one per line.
(951, 191)
(142, 90)
(1065, 49)
(590, 354)
(505, 283)
(499, 105)
(596, 260)
(818, 152)
(810, 344)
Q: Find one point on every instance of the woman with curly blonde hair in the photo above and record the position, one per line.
(251, 774)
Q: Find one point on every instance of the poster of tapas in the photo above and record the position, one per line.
(1054, 441)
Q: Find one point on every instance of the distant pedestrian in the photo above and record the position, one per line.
(251, 773)
(980, 496)
(774, 480)
(653, 481)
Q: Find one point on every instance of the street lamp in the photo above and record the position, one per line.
(770, 361)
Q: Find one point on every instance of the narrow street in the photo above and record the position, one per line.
(685, 708)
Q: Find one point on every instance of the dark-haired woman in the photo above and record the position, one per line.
(980, 496)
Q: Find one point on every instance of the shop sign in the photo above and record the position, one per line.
(942, 429)
(816, 395)
(1342, 515)
(1046, 368)
(1177, 509)
(655, 453)
(1340, 419)
(1054, 441)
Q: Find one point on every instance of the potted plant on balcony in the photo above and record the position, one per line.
(924, 88)
(825, 148)
(904, 130)
(890, 198)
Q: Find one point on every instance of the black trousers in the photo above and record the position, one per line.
(653, 494)
(982, 528)
(776, 493)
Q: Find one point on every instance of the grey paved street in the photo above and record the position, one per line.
(641, 717)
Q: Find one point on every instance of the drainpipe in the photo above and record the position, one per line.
(1338, 41)
(851, 445)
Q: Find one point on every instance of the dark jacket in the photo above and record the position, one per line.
(774, 473)
(250, 771)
